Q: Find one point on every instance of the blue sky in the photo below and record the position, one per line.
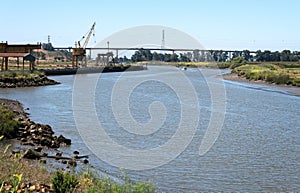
(217, 24)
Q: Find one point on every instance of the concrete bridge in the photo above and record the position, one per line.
(117, 49)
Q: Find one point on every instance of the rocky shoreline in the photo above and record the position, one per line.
(13, 82)
(37, 139)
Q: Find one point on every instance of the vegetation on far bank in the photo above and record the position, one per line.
(287, 73)
(216, 65)
(271, 73)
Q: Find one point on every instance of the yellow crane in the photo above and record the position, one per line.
(79, 52)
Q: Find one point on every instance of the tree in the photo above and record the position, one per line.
(246, 55)
(259, 56)
(183, 58)
(174, 58)
(285, 55)
(196, 56)
(266, 56)
(156, 56)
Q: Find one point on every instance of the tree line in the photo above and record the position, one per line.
(213, 55)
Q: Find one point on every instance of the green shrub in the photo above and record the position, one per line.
(93, 183)
(64, 182)
(8, 124)
(237, 61)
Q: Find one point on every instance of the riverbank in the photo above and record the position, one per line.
(88, 70)
(281, 74)
(24, 168)
(285, 88)
(212, 65)
(34, 139)
(13, 79)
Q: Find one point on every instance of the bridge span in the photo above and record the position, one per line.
(154, 49)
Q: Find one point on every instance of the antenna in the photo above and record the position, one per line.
(163, 40)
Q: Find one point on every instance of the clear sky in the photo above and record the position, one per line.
(217, 24)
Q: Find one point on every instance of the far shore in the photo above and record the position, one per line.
(288, 88)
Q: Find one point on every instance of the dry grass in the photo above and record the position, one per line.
(12, 166)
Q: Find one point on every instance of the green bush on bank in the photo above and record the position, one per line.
(93, 183)
(64, 182)
(8, 124)
(270, 73)
(237, 61)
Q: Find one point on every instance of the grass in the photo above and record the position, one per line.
(8, 123)
(19, 75)
(278, 73)
(16, 173)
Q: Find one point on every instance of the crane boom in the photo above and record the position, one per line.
(79, 52)
(88, 36)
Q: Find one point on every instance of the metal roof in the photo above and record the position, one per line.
(13, 54)
(25, 56)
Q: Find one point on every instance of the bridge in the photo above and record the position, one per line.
(154, 49)
(117, 49)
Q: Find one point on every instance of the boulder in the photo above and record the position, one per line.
(62, 139)
(31, 154)
(72, 163)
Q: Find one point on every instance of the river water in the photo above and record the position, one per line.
(256, 149)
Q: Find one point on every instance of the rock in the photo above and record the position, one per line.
(59, 154)
(72, 163)
(54, 144)
(23, 134)
(64, 161)
(43, 161)
(62, 139)
(7, 187)
(31, 154)
(14, 151)
(38, 149)
(46, 142)
(85, 161)
(76, 152)
(23, 185)
(31, 188)
(29, 143)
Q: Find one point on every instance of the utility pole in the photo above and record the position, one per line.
(163, 40)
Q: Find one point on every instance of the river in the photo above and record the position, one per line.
(256, 149)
